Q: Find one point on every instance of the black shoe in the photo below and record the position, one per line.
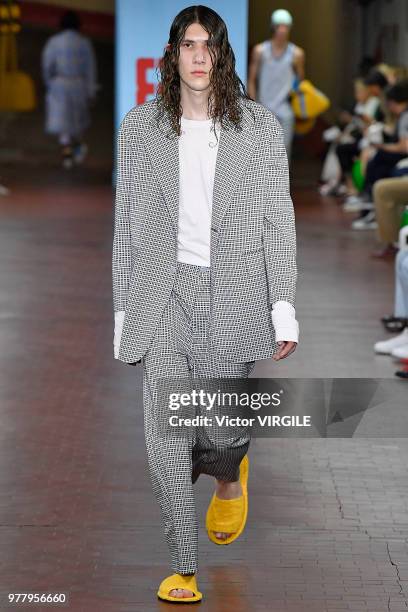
(394, 324)
(402, 373)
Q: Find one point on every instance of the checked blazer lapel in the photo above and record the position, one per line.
(164, 156)
(234, 152)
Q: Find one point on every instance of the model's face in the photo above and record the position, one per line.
(195, 61)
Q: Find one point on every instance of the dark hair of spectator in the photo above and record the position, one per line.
(365, 66)
(70, 21)
(375, 77)
(398, 92)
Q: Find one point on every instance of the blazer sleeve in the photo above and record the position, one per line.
(279, 231)
(121, 251)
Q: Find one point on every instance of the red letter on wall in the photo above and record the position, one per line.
(143, 87)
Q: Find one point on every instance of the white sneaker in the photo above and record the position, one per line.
(385, 347)
(401, 352)
(340, 190)
(365, 223)
(352, 199)
(357, 205)
(326, 189)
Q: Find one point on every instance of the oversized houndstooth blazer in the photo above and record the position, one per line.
(253, 237)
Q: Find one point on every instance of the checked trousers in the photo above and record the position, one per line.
(180, 350)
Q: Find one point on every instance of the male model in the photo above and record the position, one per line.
(204, 267)
(276, 65)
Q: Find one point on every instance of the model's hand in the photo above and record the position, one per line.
(285, 349)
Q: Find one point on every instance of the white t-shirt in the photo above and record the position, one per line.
(198, 147)
(368, 108)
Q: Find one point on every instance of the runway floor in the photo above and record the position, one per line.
(328, 525)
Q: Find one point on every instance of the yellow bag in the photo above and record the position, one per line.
(304, 126)
(17, 91)
(307, 101)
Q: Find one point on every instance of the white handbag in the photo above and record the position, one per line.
(331, 171)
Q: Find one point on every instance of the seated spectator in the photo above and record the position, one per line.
(397, 347)
(390, 198)
(365, 112)
(376, 83)
(383, 164)
(393, 74)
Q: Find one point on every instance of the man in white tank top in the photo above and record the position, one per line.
(275, 66)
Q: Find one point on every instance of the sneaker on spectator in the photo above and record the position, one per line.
(367, 222)
(353, 198)
(326, 188)
(355, 204)
(4, 191)
(401, 352)
(340, 190)
(394, 324)
(385, 347)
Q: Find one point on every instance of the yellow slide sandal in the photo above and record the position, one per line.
(178, 581)
(229, 515)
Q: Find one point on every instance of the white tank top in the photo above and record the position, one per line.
(276, 78)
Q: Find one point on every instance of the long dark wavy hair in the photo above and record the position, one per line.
(225, 85)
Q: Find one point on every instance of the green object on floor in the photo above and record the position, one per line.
(357, 176)
(404, 218)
